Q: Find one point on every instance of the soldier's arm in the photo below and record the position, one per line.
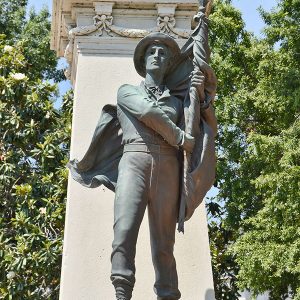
(149, 113)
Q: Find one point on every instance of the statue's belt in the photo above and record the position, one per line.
(150, 148)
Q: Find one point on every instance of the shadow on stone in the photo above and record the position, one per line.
(210, 295)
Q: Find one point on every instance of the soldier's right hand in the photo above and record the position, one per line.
(188, 143)
(198, 82)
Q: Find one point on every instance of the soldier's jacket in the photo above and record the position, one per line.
(147, 118)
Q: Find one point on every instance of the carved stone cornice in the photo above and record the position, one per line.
(120, 19)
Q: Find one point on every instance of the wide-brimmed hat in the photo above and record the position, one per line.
(152, 38)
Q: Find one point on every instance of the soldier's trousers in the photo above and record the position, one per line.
(148, 177)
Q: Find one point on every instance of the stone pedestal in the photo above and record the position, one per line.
(98, 40)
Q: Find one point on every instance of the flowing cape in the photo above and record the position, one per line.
(100, 163)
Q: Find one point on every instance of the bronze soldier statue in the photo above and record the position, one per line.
(155, 149)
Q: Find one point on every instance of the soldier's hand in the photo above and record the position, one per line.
(188, 143)
(197, 81)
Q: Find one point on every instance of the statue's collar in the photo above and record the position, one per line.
(158, 92)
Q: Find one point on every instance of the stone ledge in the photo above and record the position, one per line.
(131, 20)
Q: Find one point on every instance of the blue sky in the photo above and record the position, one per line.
(250, 13)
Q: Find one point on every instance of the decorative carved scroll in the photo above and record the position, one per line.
(166, 23)
(183, 33)
(100, 22)
(103, 22)
(131, 33)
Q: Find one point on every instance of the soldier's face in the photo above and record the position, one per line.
(157, 58)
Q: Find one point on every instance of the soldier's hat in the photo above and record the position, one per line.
(150, 39)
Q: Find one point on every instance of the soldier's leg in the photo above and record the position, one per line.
(163, 212)
(129, 209)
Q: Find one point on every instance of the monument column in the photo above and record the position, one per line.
(98, 40)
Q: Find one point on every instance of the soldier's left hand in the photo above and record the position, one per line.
(188, 143)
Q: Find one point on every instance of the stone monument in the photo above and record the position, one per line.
(98, 39)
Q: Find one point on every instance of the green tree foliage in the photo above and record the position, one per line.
(255, 218)
(12, 16)
(34, 146)
(34, 34)
(41, 61)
